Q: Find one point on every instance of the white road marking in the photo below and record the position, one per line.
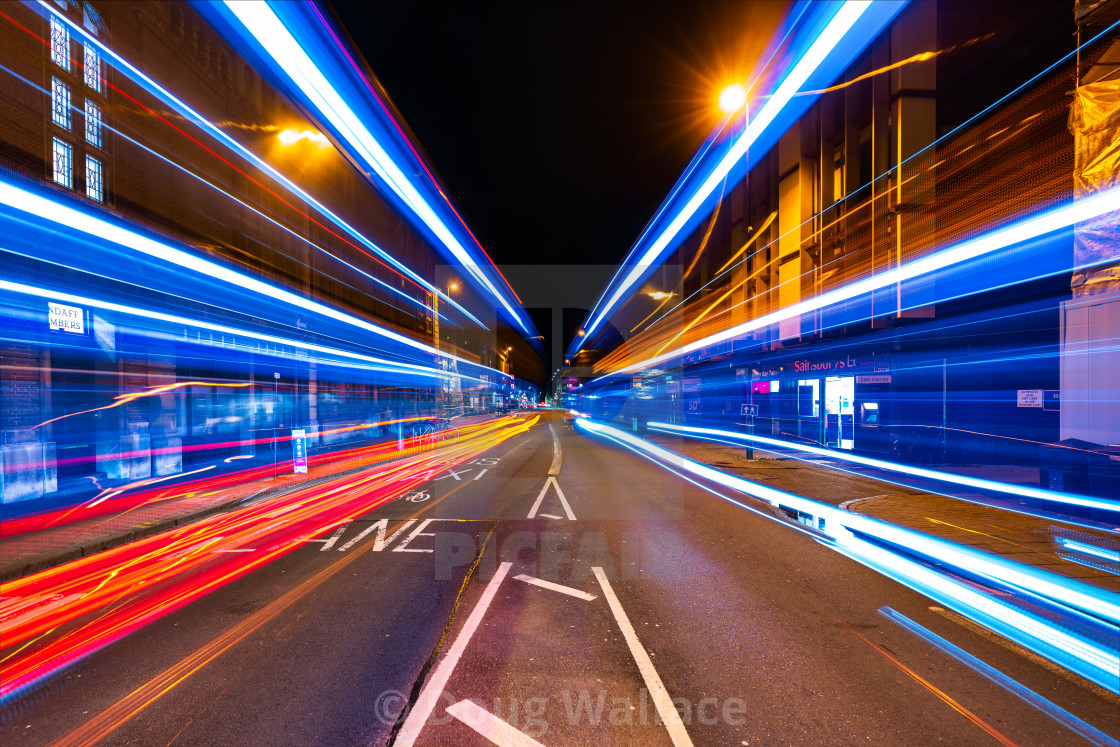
(669, 715)
(560, 493)
(557, 454)
(418, 532)
(379, 542)
(453, 473)
(555, 587)
(549, 516)
(480, 474)
(329, 542)
(433, 690)
(490, 726)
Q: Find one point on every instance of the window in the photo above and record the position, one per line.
(93, 124)
(62, 163)
(60, 103)
(93, 179)
(60, 43)
(92, 68)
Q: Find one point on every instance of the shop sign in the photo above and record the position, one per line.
(874, 364)
(66, 318)
(1029, 398)
(299, 451)
(691, 384)
(873, 379)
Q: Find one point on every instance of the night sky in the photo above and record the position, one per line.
(558, 127)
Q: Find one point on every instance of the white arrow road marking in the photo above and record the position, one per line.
(669, 715)
(490, 726)
(560, 494)
(555, 587)
(432, 691)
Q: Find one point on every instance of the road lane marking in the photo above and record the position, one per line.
(490, 726)
(480, 474)
(557, 454)
(555, 587)
(550, 516)
(1059, 714)
(329, 542)
(560, 494)
(379, 543)
(669, 714)
(432, 691)
(418, 532)
(453, 473)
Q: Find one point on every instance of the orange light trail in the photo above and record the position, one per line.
(157, 575)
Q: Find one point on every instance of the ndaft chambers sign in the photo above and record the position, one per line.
(66, 318)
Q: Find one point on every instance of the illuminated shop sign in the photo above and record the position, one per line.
(66, 318)
(843, 364)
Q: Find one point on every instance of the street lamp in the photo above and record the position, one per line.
(660, 295)
(291, 137)
(732, 98)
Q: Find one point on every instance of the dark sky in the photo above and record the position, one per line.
(558, 127)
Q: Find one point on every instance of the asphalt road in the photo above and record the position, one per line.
(672, 617)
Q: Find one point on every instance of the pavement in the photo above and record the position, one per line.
(556, 589)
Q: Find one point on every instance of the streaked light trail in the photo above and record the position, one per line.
(1056, 219)
(1083, 655)
(840, 24)
(1023, 491)
(287, 53)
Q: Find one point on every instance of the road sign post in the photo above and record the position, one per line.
(750, 411)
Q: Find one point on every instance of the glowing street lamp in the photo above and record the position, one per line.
(660, 295)
(732, 98)
(291, 137)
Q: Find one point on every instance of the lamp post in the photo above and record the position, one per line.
(731, 99)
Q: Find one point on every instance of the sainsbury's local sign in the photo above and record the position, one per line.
(66, 318)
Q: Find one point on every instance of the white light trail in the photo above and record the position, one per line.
(263, 24)
(1066, 216)
(840, 24)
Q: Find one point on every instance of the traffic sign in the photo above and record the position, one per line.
(751, 411)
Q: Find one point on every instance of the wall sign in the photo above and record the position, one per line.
(1029, 398)
(66, 318)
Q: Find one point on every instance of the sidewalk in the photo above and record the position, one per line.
(1019, 537)
(59, 538)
